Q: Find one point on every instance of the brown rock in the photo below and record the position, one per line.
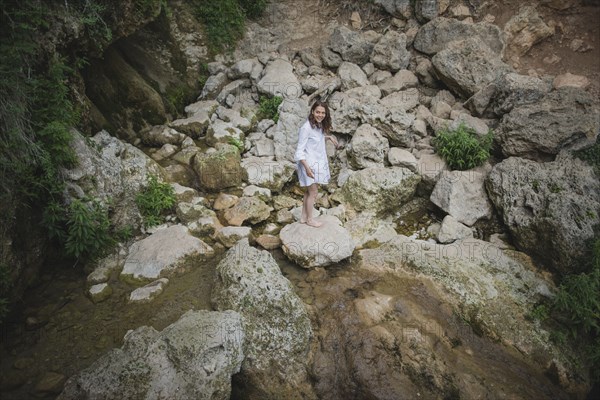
(269, 242)
(569, 79)
(224, 201)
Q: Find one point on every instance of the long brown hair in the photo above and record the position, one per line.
(326, 123)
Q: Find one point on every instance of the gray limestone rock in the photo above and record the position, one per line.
(390, 52)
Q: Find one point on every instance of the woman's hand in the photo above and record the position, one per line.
(309, 171)
(334, 141)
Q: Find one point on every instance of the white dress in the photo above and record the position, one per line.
(311, 147)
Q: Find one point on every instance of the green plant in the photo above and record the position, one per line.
(540, 312)
(237, 143)
(88, 229)
(591, 155)
(463, 148)
(223, 23)
(152, 201)
(269, 108)
(253, 8)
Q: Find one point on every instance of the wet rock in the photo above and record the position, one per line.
(193, 358)
(549, 208)
(163, 253)
(277, 326)
(367, 230)
(230, 235)
(100, 292)
(105, 267)
(452, 230)
(149, 292)
(367, 148)
(316, 247)
(51, 382)
(380, 189)
(390, 52)
(251, 209)
(563, 119)
(462, 195)
(220, 169)
(437, 34)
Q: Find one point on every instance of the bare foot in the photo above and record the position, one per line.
(314, 223)
(302, 220)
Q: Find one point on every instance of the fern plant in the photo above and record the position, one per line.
(269, 108)
(154, 200)
(88, 229)
(463, 148)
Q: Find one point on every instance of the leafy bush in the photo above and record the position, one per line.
(463, 148)
(253, 8)
(88, 229)
(223, 23)
(237, 143)
(269, 108)
(156, 198)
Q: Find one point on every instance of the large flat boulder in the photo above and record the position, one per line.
(276, 324)
(316, 247)
(550, 208)
(165, 252)
(193, 358)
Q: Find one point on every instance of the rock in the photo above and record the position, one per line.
(188, 212)
(367, 148)
(468, 66)
(292, 115)
(330, 58)
(195, 125)
(310, 57)
(204, 226)
(404, 100)
(563, 119)
(234, 118)
(286, 202)
(460, 11)
(355, 20)
(452, 230)
(380, 189)
(279, 80)
(297, 213)
(426, 10)
(110, 170)
(149, 292)
(251, 209)
(390, 52)
(269, 242)
(462, 195)
(220, 169)
(478, 125)
(419, 127)
(350, 45)
(262, 147)
(569, 79)
(230, 235)
(441, 109)
(402, 80)
(285, 217)
(223, 132)
(437, 34)
(398, 157)
(104, 267)
(267, 173)
(351, 75)
(100, 292)
(262, 193)
(277, 326)
(51, 382)
(425, 73)
(371, 91)
(367, 230)
(550, 209)
(193, 358)
(398, 8)
(316, 247)
(224, 201)
(249, 68)
(234, 88)
(524, 30)
(165, 151)
(213, 86)
(185, 156)
(163, 253)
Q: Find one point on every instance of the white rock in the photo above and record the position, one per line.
(229, 235)
(452, 230)
(147, 293)
(398, 157)
(352, 76)
(253, 190)
(99, 292)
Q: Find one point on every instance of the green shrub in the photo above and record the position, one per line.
(223, 23)
(88, 229)
(237, 143)
(269, 108)
(591, 155)
(154, 200)
(463, 148)
(253, 8)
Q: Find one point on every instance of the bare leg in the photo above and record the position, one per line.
(310, 201)
(303, 217)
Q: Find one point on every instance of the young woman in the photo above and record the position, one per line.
(311, 157)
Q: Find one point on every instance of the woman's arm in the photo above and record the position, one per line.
(333, 140)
